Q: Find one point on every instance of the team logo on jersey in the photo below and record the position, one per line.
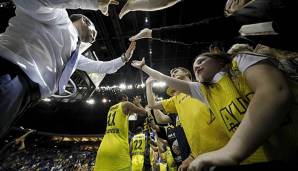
(232, 113)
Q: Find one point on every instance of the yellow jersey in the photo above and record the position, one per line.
(138, 143)
(113, 153)
(163, 166)
(229, 96)
(170, 160)
(153, 158)
(202, 128)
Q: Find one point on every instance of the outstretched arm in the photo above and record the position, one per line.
(146, 5)
(108, 67)
(129, 108)
(102, 5)
(194, 32)
(179, 85)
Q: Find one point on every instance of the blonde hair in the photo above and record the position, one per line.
(237, 48)
(188, 73)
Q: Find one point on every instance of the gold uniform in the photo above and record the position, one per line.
(138, 144)
(163, 166)
(170, 160)
(113, 153)
(229, 98)
(202, 129)
(153, 159)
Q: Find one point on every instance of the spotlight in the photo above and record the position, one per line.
(90, 101)
(46, 100)
(159, 84)
(104, 100)
(122, 86)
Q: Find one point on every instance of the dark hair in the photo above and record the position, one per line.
(120, 97)
(139, 129)
(76, 17)
(218, 45)
(221, 56)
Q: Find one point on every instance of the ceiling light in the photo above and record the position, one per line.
(90, 101)
(46, 100)
(122, 86)
(159, 84)
(104, 100)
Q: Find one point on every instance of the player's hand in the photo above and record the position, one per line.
(138, 64)
(145, 33)
(219, 157)
(104, 6)
(129, 52)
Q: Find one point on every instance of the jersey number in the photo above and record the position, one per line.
(138, 144)
(111, 119)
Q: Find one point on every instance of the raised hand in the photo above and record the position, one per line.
(145, 33)
(125, 9)
(104, 6)
(137, 100)
(138, 64)
(145, 5)
(129, 52)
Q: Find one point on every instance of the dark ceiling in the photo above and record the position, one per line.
(111, 42)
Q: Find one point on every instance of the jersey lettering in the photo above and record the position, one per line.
(111, 119)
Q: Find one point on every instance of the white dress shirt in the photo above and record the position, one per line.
(41, 38)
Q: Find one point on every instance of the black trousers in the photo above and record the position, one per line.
(17, 94)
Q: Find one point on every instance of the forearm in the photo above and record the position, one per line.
(139, 105)
(155, 127)
(150, 97)
(70, 4)
(178, 85)
(264, 115)
(157, 117)
(206, 30)
(161, 118)
(101, 67)
(152, 5)
(140, 111)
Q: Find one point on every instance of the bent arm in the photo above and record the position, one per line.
(160, 117)
(67, 4)
(179, 85)
(265, 112)
(151, 5)
(101, 67)
(130, 108)
(150, 98)
(199, 31)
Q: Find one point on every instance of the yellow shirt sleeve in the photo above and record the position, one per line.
(169, 105)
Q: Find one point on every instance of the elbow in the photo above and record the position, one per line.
(280, 97)
(283, 94)
(150, 106)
